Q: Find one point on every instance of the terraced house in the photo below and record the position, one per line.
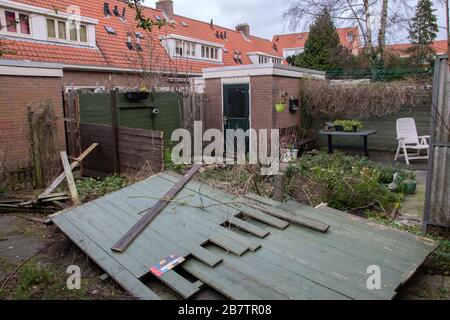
(99, 46)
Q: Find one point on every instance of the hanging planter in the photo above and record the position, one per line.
(280, 107)
(138, 96)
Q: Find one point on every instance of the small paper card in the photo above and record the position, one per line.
(167, 264)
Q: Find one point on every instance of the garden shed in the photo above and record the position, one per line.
(250, 96)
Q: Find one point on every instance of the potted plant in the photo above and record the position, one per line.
(348, 125)
(142, 94)
(280, 105)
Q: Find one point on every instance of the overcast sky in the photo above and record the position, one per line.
(264, 16)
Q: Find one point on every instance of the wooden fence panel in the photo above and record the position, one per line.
(437, 202)
(138, 149)
(386, 138)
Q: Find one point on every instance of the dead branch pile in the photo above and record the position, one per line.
(323, 99)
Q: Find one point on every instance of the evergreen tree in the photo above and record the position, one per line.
(322, 48)
(423, 31)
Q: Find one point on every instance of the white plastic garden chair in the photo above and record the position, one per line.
(408, 139)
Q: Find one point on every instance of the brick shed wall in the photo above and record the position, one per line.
(264, 91)
(16, 92)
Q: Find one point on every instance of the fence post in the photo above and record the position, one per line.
(114, 127)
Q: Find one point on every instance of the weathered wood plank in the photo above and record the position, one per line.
(259, 232)
(229, 201)
(228, 244)
(70, 179)
(134, 232)
(116, 270)
(288, 216)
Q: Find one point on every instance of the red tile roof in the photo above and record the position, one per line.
(112, 51)
(298, 40)
(440, 46)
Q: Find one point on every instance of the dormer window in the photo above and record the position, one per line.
(57, 31)
(15, 22)
(181, 46)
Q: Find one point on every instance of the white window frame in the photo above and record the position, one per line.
(68, 25)
(19, 31)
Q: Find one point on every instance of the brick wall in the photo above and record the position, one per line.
(213, 105)
(264, 91)
(15, 94)
(106, 79)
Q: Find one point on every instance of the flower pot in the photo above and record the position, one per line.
(280, 107)
(138, 96)
(339, 128)
(410, 187)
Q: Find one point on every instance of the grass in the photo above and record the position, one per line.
(35, 281)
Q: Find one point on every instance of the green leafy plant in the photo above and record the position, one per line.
(349, 125)
(344, 182)
(89, 188)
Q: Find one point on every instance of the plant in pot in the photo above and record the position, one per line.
(347, 125)
(280, 105)
(142, 94)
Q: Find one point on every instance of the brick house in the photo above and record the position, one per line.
(96, 47)
(294, 44)
(101, 48)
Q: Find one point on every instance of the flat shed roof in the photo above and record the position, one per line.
(262, 70)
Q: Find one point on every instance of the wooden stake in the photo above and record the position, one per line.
(74, 164)
(70, 179)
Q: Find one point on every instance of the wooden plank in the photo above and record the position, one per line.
(117, 271)
(140, 257)
(229, 201)
(288, 216)
(114, 134)
(73, 165)
(134, 232)
(70, 179)
(259, 232)
(228, 244)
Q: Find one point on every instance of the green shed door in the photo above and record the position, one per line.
(236, 107)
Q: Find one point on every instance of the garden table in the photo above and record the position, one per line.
(363, 133)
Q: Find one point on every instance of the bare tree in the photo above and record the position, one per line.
(368, 15)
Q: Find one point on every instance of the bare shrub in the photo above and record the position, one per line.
(361, 101)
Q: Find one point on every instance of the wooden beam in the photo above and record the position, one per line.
(74, 164)
(114, 133)
(134, 232)
(70, 179)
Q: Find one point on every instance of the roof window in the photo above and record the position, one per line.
(184, 24)
(110, 30)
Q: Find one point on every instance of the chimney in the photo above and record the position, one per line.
(166, 6)
(244, 28)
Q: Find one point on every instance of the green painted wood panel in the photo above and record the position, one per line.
(96, 108)
(290, 263)
(386, 138)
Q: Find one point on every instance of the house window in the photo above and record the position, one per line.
(210, 53)
(62, 30)
(184, 48)
(51, 31)
(11, 23)
(24, 23)
(17, 22)
(73, 32)
(83, 33)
